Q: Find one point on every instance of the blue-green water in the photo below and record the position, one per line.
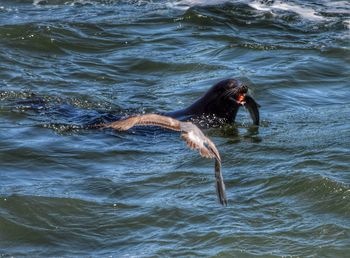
(68, 191)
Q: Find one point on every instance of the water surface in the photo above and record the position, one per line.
(70, 191)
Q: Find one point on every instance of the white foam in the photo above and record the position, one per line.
(305, 12)
(186, 4)
(347, 23)
(259, 6)
(343, 5)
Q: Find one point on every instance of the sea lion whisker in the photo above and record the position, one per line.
(230, 93)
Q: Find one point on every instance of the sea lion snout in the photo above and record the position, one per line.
(243, 89)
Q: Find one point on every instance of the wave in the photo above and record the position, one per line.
(302, 11)
(253, 25)
(309, 191)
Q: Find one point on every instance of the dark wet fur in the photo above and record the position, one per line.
(220, 102)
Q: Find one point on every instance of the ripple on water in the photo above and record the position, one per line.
(66, 190)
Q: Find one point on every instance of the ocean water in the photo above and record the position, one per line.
(69, 191)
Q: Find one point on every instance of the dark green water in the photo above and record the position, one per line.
(67, 191)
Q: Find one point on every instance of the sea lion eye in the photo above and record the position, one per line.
(243, 89)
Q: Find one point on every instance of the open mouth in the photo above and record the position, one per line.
(241, 99)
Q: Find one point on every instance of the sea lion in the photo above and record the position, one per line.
(193, 136)
(221, 101)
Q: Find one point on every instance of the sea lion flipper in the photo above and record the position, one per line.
(253, 109)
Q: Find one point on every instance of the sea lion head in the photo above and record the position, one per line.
(221, 103)
(238, 92)
(224, 99)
